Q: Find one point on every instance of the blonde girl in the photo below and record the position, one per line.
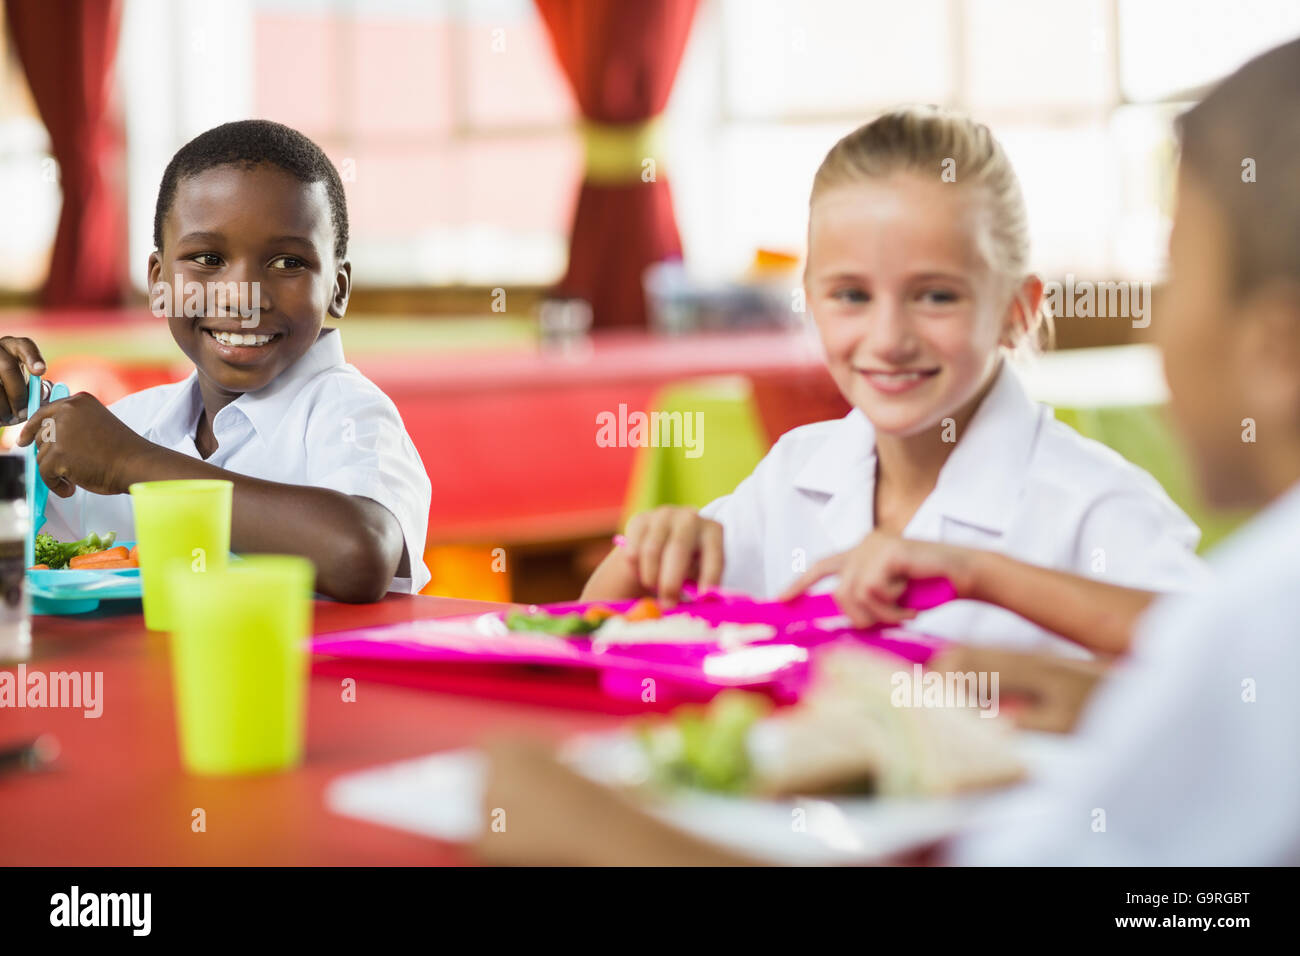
(918, 281)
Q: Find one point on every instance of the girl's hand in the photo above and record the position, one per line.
(667, 544)
(662, 549)
(17, 354)
(81, 444)
(874, 574)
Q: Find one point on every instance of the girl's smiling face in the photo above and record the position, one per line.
(236, 224)
(909, 309)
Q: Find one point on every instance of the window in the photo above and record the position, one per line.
(1082, 94)
(454, 127)
(29, 183)
(450, 122)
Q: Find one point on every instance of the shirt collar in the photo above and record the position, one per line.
(980, 483)
(838, 464)
(178, 418)
(265, 408)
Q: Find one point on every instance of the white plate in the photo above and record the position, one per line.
(440, 796)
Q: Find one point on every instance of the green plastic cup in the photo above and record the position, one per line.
(187, 519)
(239, 663)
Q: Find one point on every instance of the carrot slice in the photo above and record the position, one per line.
(39, 567)
(596, 613)
(98, 558)
(134, 556)
(643, 610)
(114, 564)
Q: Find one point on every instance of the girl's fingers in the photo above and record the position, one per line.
(881, 593)
(888, 586)
(868, 612)
(678, 554)
(632, 533)
(884, 598)
(867, 601)
(822, 569)
(850, 597)
(630, 548)
(665, 545)
(873, 589)
(854, 608)
(650, 553)
(712, 555)
(886, 612)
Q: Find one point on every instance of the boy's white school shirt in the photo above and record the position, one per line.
(1018, 482)
(1189, 754)
(320, 423)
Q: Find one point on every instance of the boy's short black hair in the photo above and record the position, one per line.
(1252, 115)
(249, 143)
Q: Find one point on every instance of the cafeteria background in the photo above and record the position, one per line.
(561, 211)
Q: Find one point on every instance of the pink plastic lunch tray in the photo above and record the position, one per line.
(778, 665)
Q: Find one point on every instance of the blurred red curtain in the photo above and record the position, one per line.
(67, 49)
(621, 58)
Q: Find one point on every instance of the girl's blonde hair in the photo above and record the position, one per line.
(952, 148)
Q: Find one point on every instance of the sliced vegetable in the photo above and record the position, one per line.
(643, 610)
(580, 624)
(57, 554)
(109, 564)
(97, 558)
(706, 746)
(561, 625)
(598, 613)
(39, 567)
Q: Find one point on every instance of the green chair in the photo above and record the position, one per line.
(1144, 435)
(731, 444)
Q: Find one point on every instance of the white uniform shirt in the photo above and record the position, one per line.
(1018, 481)
(320, 423)
(1192, 747)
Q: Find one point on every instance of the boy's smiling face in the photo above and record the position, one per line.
(240, 224)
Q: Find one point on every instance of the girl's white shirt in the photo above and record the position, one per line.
(1018, 482)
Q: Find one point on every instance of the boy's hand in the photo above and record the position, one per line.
(874, 574)
(17, 354)
(666, 545)
(1040, 691)
(81, 444)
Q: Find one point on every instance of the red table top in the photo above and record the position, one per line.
(118, 795)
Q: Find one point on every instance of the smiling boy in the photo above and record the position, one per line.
(320, 460)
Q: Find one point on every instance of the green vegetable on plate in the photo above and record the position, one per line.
(706, 747)
(56, 554)
(559, 625)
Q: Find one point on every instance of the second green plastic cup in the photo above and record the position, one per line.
(239, 663)
(187, 519)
